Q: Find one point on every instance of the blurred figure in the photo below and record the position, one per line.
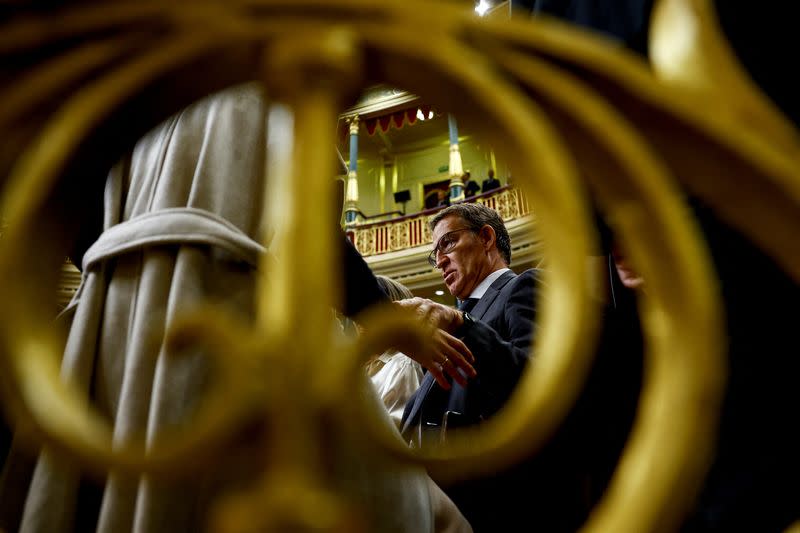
(490, 183)
(597, 428)
(471, 187)
(444, 198)
(431, 199)
(752, 484)
(627, 274)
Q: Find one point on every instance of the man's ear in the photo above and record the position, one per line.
(488, 237)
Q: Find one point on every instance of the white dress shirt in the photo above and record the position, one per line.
(480, 290)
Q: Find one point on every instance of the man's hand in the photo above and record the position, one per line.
(444, 354)
(437, 315)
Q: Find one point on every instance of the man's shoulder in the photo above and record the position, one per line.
(524, 281)
(511, 281)
(528, 275)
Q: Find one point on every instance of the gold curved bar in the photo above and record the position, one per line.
(705, 355)
(309, 74)
(609, 113)
(35, 32)
(383, 327)
(794, 528)
(635, 190)
(566, 313)
(688, 50)
(676, 122)
(564, 278)
(21, 98)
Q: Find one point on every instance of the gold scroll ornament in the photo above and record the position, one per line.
(593, 120)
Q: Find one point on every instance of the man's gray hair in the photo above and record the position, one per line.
(476, 216)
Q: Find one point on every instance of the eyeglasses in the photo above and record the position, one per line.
(445, 245)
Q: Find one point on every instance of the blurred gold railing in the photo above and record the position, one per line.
(568, 105)
(412, 230)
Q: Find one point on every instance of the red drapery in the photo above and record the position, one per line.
(397, 120)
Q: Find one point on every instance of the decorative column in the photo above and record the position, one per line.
(456, 168)
(351, 194)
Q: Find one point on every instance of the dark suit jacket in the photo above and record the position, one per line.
(500, 340)
(471, 188)
(490, 184)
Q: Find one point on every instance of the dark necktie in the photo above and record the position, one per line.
(467, 305)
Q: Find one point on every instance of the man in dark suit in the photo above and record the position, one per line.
(495, 321)
(491, 183)
(471, 187)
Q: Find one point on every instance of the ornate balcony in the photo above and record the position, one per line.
(412, 230)
(397, 247)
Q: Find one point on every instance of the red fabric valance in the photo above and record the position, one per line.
(397, 120)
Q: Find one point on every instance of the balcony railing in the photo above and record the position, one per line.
(412, 230)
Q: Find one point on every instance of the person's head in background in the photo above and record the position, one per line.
(628, 275)
(614, 272)
(491, 173)
(394, 290)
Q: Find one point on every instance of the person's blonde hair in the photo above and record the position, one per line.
(393, 289)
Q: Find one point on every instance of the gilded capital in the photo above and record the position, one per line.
(354, 125)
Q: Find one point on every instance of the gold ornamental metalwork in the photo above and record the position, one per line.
(592, 119)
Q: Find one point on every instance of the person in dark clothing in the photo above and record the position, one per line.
(626, 20)
(752, 482)
(471, 187)
(444, 198)
(432, 199)
(604, 412)
(490, 183)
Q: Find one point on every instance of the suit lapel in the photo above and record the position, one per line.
(491, 294)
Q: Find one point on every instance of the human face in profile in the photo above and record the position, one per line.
(629, 277)
(461, 255)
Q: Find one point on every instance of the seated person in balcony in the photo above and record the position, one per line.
(431, 199)
(495, 320)
(490, 183)
(471, 187)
